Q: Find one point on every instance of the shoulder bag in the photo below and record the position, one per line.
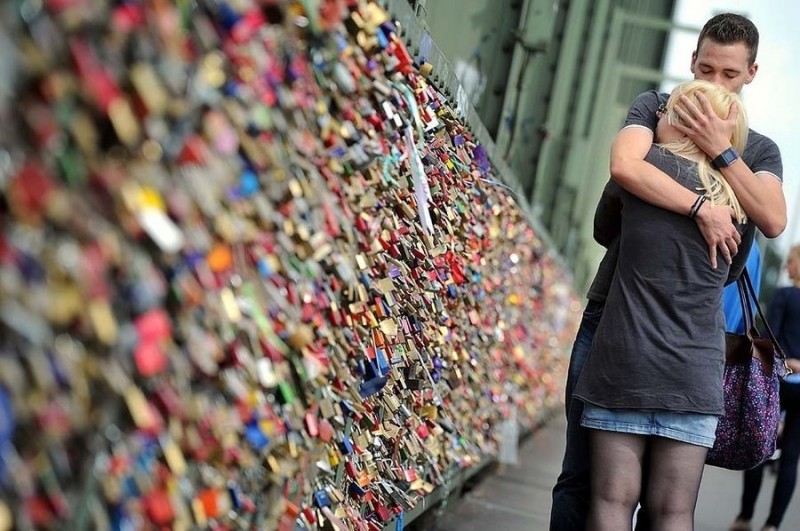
(754, 366)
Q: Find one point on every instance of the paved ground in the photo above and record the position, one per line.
(517, 498)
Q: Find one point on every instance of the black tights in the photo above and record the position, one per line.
(674, 472)
(787, 464)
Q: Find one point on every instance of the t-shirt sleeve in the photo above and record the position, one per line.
(642, 112)
(768, 158)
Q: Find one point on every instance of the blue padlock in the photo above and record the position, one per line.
(248, 183)
(322, 499)
(347, 408)
(382, 362)
(356, 491)
(346, 446)
(257, 439)
(370, 387)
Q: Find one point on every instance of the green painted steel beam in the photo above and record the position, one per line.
(642, 73)
(594, 52)
(558, 112)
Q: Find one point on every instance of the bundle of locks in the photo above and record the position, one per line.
(254, 272)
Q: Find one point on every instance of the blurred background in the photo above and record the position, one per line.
(543, 85)
(551, 82)
(546, 84)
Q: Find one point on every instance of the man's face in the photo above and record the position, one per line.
(723, 64)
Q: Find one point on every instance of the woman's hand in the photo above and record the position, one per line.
(793, 364)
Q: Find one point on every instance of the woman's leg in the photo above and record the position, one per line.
(675, 471)
(787, 467)
(616, 479)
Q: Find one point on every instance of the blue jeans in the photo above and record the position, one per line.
(571, 495)
(690, 428)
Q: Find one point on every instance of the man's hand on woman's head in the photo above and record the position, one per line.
(716, 226)
(701, 124)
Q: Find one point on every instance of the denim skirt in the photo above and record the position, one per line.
(691, 428)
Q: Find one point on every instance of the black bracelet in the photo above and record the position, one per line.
(699, 206)
(695, 205)
(696, 209)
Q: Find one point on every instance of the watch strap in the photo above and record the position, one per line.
(725, 159)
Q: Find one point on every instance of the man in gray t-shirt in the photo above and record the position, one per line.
(725, 55)
(761, 155)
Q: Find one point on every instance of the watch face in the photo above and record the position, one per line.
(729, 156)
(726, 158)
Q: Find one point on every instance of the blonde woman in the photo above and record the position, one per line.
(784, 319)
(652, 384)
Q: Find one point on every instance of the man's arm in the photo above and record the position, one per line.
(760, 194)
(761, 197)
(642, 179)
(608, 215)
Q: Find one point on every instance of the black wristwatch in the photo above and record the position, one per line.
(725, 159)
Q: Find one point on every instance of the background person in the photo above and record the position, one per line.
(784, 319)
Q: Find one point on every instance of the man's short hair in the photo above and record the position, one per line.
(730, 28)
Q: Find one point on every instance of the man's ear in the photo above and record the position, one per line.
(694, 60)
(751, 73)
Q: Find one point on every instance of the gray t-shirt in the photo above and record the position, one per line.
(761, 155)
(660, 342)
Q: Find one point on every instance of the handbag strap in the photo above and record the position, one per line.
(747, 308)
(750, 294)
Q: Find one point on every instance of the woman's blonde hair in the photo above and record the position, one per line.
(716, 187)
